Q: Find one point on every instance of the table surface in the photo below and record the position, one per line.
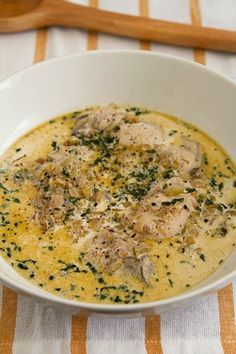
(206, 327)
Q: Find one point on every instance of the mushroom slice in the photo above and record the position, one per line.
(141, 268)
(131, 265)
(187, 156)
(147, 268)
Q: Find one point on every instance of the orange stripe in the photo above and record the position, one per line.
(8, 320)
(40, 45)
(144, 11)
(199, 54)
(227, 320)
(153, 335)
(92, 36)
(78, 334)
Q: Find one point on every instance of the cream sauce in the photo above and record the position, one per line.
(60, 257)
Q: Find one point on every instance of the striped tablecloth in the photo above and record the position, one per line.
(208, 326)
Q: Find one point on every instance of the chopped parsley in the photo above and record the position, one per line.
(137, 111)
(55, 145)
(173, 201)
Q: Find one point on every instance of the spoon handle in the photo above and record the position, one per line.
(61, 13)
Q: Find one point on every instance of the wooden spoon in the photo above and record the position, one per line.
(22, 15)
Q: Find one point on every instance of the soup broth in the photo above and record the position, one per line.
(116, 205)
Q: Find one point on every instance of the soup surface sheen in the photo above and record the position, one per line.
(116, 205)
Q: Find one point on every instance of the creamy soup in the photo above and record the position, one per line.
(116, 205)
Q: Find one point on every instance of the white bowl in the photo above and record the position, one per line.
(165, 83)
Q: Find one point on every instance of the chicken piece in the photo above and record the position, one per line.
(108, 249)
(100, 119)
(166, 216)
(141, 268)
(101, 200)
(50, 210)
(175, 186)
(186, 157)
(140, 134)
(76, 229)
(56, 201)
(82, 153)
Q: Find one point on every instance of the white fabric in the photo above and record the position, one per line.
(16, 52)
(40, 330)
(220, 14)
(106, 41)
(185, 329)
(118, 336)
(172, 10)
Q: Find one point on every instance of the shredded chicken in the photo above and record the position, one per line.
(108, 249)
(101, 119)
(140, 133)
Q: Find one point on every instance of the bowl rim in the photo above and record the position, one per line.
(114, 308)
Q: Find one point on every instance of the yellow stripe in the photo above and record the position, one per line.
(227, 320)
(92, 36)
(40, 45)
(144, 11)
(8, 320)
(78, 334)
(199, 54)
(153, 335)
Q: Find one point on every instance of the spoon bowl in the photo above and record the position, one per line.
(10, 8)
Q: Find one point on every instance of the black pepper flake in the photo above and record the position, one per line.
(202, 257)
(22, 266)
